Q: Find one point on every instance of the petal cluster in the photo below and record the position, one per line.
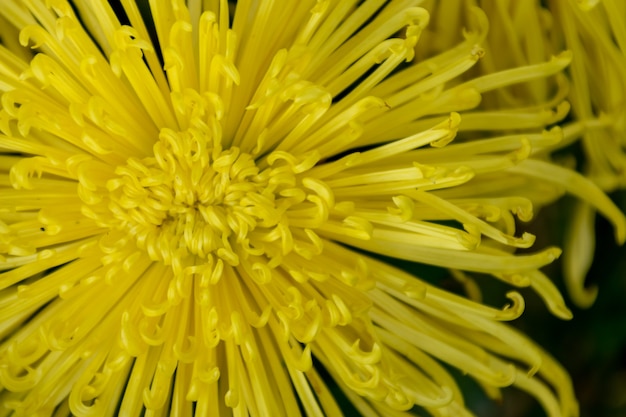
(593, 85)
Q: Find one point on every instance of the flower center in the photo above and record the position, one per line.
(191, 199)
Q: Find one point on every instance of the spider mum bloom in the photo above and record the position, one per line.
(526, 33)
(194, 201)
(594, 31)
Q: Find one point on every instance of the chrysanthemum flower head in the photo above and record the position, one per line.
(197, 203)
(594, 31)
(523, 33)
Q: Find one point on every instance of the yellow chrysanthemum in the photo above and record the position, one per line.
(528, 32)
(596, 33)
(194, 200)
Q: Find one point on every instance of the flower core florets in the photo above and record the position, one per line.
(194, 203)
